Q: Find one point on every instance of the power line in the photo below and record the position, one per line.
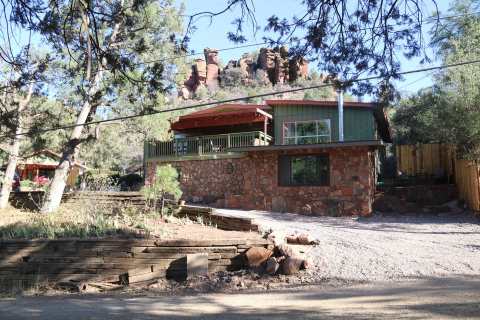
(427, 20)
(415, 81)
(193, 54)
(70, 126)
(200, 53)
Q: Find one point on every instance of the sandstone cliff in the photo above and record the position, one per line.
(273, 66)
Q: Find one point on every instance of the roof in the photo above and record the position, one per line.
(45, 157)
(48, 152)
(222, 115)
(223, 109)
(321, 103)
(345, 144)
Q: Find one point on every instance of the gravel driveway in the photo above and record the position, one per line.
(383, 248)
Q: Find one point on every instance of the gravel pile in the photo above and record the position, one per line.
(382, 248)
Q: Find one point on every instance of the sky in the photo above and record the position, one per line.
(212, 34)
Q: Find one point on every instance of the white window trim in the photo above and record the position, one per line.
(329, 136)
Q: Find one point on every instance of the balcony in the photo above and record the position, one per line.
(211, 146)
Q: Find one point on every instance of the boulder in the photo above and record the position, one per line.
(292, 265)
(286, 251)
(306, 210)
(256, 256)
(302, 238)
(272, 266)
(278, 238)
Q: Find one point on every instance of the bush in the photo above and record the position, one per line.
(232, 77)
(318, 94)
(130, 182)
(165, 184)
(101, 181)
(201, 93)
(27, 184)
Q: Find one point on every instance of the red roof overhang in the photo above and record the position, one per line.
(31, 166)
(222, 115)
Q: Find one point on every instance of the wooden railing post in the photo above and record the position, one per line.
(178, 147)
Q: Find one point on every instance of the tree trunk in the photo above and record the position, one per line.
(57, 186)
(10, 172)
(69, 155)
(14, 152)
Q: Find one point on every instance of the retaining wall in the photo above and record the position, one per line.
(115, 261)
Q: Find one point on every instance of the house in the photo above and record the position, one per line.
(310, 157)
(39, 167)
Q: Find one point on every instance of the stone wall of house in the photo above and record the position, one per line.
(208, 181)
(252, 183)
(351, 189)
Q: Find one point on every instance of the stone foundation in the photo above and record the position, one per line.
(251, 182)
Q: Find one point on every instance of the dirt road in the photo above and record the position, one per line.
(451, 298)
(383, 248)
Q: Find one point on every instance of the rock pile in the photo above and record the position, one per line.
(283, 259)
(272, 66)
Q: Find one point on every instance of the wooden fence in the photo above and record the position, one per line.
(426, 159)
(468, 183)
(440, 159)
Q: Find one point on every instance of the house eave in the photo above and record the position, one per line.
(345, 144)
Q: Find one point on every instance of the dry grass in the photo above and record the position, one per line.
(81, 220)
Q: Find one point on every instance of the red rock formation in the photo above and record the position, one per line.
(211, 58)
(247, 67)
(298, 68)
(273, 66)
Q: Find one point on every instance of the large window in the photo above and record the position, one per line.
(306, 132)
(304, 170)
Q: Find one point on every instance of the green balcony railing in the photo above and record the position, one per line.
(204, 145)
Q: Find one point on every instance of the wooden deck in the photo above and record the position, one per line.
(204, 146)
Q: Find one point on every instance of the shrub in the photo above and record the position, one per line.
(130, 182)
(201, 93)
(232, 77)
(318, 94)
(165, 184)
(27, 184)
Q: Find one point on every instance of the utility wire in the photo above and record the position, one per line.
(415, 81)
(427, 20)
(193, 54)
(35, 132)
(200, 53)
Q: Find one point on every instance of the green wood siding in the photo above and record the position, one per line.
(358, 123)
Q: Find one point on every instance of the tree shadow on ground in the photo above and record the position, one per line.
(427, 298)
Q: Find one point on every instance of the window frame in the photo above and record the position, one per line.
(297, 137)
(284, 178)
